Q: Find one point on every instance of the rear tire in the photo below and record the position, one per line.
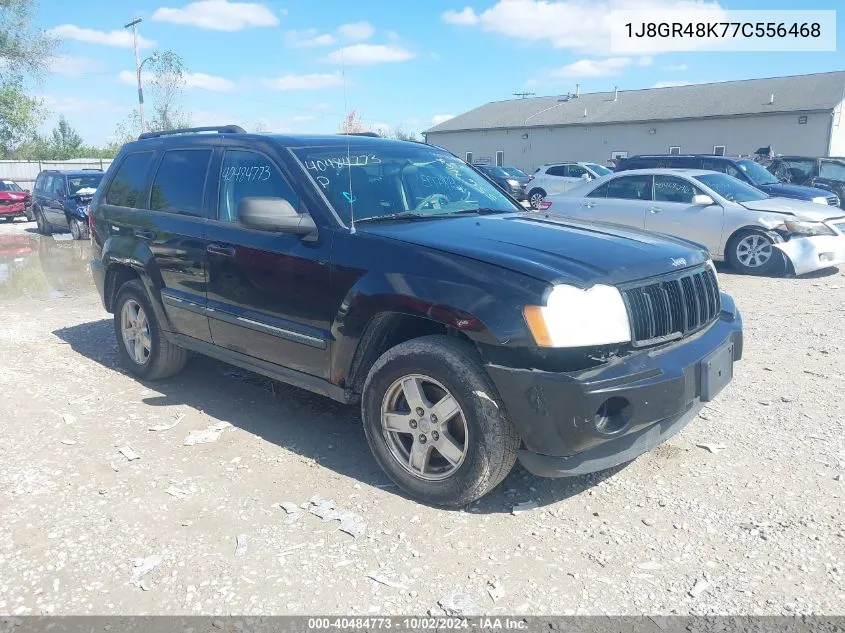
(152, 356)
(479, 442)
(535, 197)
(78, 229)
(753, 253)
(30, 216)
(43, 226)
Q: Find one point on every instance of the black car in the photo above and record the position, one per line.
(822, 173)
(390, 274)
(60, 200)
(510, 179)
(743, 168)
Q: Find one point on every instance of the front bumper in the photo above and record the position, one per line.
(807, 254)
(12, 210)
(664, 387)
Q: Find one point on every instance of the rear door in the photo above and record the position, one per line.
(268, 293)
(673, 212)
(555, 180)
(54, 201)
(623, 200)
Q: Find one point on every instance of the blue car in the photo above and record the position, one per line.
(742, 168)
(60, 200)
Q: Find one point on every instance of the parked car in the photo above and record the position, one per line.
(511, 184)
(388, 273)
(734, 220)
(14, 201)
(559, 177)
(744, 169)
(61, 199)
(822, 173)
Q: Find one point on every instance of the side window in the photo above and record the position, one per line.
(557, 170)
(180, 182)
(58, 187)
(576, 171)
(128, 183)
(831, 170)
(469, 158)
(46, 184)
(599, 192)
(723, 166)
(39, 183)
(249, 175)
(672, 189)
(799, 169)
(630, 188)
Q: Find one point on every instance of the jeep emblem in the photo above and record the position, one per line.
(678, 261)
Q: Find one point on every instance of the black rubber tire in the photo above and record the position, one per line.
(493, 439)
(531, 193)
(43, 226)
(733, 259)
(166, 359)
(78, 229)
(30, 216)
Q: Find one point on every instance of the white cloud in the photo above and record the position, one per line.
(308, 38)
(466, 17)
(67, 66)
(304, 82)
(121, 38)
(437, 119)
(218, 15)
(677, 68)
(593, 68)
(645, 61)
(356, 31)
(322, 107)
(199, 81)
(303, 118)
(580, 25)
(67, 104)
(362, 54)
(673, 84)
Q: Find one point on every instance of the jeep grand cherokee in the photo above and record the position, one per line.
(390, 274)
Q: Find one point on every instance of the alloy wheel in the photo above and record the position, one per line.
(135, 329)
(754, 251)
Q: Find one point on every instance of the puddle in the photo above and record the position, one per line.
(40, 267)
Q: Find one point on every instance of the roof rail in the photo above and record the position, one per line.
(373, 134)
(220, 129)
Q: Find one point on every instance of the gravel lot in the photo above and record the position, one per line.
(741, 513)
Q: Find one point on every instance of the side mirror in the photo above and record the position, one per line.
(702, 200)
(275, 215)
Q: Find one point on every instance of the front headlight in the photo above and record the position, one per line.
(513, 183)
(807, 229)
(820, 200)
(573, 317)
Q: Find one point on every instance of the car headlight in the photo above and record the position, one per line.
(573, 317)
(806, 229)
(820, 200)
(513, 183)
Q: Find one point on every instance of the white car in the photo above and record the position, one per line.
(735, 221)
(555, 178)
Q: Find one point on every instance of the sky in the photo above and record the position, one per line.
(298, 66)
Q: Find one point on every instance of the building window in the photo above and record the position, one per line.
(500, 158)
(615, 155)
(469, 158)
(675, 149)
(802, 119)
(719, 150)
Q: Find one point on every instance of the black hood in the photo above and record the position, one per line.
(550, 248)
(786, 190)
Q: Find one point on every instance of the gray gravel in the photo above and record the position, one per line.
(106, 508)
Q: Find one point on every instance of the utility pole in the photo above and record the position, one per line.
(134, 24)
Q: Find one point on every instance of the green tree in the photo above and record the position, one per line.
(401, 135)
(66, 142)
(19, 117)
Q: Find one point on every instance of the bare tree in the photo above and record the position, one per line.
(352, 123)
(166, 87)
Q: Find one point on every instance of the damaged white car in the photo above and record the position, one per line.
(735, 221)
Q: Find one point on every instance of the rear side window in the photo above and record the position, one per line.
(58, 187)
(723, 166)
(179, 183)
(128, 183)
(576, 171)
(557, 170)
(250, 175)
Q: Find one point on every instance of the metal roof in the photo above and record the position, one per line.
(821, 91)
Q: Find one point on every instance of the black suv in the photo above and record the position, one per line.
(744, 169)
(60, 200)
(390, 273)
(511, 180)
(822, 173)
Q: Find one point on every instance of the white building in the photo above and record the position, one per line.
(798, 115)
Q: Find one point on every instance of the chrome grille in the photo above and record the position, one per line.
(673, 306)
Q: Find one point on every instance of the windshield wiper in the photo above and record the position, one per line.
(401, 215)
(479, 211)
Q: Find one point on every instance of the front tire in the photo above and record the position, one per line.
(435, 423)
(752, 253)
(143, 349)
(78, 229)
(535, 197)
(30, 216)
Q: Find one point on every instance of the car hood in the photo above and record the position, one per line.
(552, 249)
(801, 209)
(793, 191)
(17, 196)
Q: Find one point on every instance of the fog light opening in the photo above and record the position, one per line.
(613, 415)
(825, 257)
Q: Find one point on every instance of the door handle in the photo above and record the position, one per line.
(220, 249)
(655, 209)
(145, 234)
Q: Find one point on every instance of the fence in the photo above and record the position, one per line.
(24, 172)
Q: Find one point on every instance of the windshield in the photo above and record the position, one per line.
(731, 188)
(516, 173)
(375, 180)
(6, 185)
(756, 173)
(75, 183)
(600, 170)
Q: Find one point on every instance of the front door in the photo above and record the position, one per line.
(623, 200)
(268, 293)
(673, 212)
